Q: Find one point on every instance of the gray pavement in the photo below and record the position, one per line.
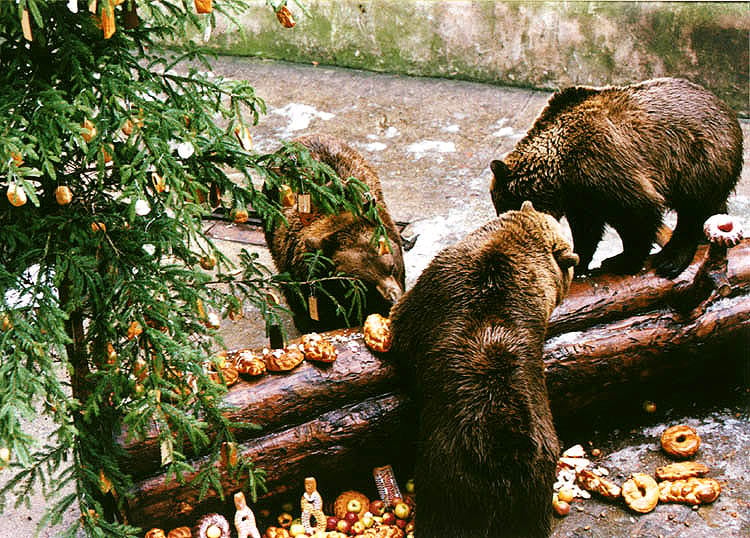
(431, 141)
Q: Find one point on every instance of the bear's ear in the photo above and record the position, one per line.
(527, 206)
(499, 170)
(566, 258)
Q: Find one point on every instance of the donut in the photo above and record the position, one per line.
(641, 493)
(723, 230)
(680, 441)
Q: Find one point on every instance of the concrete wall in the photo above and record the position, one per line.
(542, 45)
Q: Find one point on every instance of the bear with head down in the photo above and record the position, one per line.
(469, 336)
(344, 238)
(623, 156)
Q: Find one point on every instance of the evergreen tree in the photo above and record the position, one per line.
(113, 148)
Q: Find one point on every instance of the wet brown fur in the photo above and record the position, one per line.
(622, 156)
(344, 238)
(469, 334)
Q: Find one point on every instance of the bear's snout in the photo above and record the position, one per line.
(390, 289)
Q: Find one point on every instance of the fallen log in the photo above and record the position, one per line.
(610, 334)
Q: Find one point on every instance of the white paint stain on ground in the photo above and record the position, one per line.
(300, 116)
(420, 149)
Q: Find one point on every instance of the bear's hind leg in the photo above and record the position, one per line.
(637, 237)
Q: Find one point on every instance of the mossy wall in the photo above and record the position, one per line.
(531, 44)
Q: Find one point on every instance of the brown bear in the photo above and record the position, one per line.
(469, 336)
(622, 156)
(344, 238)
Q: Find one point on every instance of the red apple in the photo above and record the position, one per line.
(351, 517)
(354, 505)
(331, 523)
(401, 510)
(389, 518)
(401, 523)
(377, 507)
(342, 525)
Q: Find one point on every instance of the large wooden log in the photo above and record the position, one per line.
(610, 334)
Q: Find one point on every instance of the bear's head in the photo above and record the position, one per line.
(351, 244)
(510, 188)
(530, 245)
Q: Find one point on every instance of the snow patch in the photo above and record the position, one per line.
(420, 149)
(375, 146)
(451, 128)
(300, 116)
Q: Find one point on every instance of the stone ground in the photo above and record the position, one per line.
(431, 141)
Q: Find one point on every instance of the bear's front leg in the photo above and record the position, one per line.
(637, 236)
(587, 231)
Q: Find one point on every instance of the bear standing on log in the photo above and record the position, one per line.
(344, 238)
(622, 156)
(470, 335)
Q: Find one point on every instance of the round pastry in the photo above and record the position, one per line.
(641, 493)
(681, 470)
(723, 230)
(247, 362)
(154, 533)
(377, 333)
(180, 532)
(282, 360)
(318, 348)
(681, 441)
(212, 526)
(339, 506)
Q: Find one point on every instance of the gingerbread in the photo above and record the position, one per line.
(318, 348)
(690, 491)
(377, 333)
(244, 518)
(641, 493)
(247, 362)
(283, 360)
(339, 507)
(681, 470)
(592, 482)
(680, 441)
(311, 505)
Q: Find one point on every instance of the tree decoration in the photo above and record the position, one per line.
(104, 304)
(203, 6)
(284, 16)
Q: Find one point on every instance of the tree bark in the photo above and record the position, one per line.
(609, 335)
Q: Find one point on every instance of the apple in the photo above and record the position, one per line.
(649, 406)
(358, 527)
(410, 486)
(377, 507)
(409, 527)
(368, 520)
(331, 523)
(389, 518)
(401, 510)
(354, 505)
(561, 507)
(401, 523)
(565, 494)
(351, 517)
(343, 525)
(297, 529)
